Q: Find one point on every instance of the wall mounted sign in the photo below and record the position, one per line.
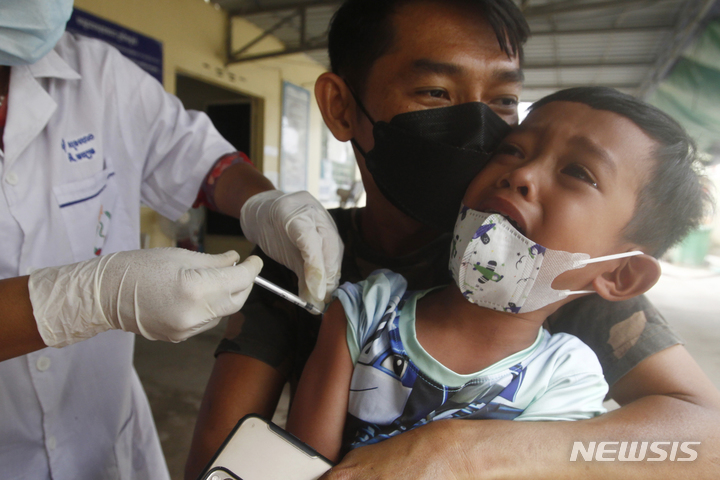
(294, 135)
(146, 52)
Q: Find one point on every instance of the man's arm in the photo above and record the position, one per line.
(665, 398)
(238, 385)
(318, 411)
(252, 365)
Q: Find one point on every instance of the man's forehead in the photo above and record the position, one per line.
(416, 22)
(432, 37)
(506, 74)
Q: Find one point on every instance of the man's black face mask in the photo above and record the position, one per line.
(423, 161)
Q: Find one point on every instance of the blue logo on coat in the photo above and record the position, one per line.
(80, 148)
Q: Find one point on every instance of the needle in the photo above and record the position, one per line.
(287, 295)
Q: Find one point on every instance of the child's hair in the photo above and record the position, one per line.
(673, 200)
(361, 32)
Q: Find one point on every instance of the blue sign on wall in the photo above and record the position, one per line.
(146, 52)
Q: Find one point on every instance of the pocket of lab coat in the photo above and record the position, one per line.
(87, 207)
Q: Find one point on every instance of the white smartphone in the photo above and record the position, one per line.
(257, 449)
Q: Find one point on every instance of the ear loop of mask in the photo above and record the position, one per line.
(606, 258)
(364, 111)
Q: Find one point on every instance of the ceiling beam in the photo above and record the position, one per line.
(304, 44)
(283, 21)
(556, 86)
(608, 31)
(533, 66)
(572, 6)
(283, 8)
(559, 65)
(299, 9)
(279, 53)
(568, 6)
(687, 27)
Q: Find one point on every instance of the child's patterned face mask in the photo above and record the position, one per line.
(496, 267)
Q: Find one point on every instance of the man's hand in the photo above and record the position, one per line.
(424, 453)
(163, 294)
(295, 230)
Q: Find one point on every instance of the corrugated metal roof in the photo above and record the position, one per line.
(627, 44)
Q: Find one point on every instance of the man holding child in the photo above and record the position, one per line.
(394, 57)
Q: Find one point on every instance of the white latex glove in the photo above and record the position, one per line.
(295, 230)
(166, 294)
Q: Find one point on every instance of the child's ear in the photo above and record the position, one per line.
(634, 276)
(336, 104)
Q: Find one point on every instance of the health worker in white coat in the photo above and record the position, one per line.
(85, 137)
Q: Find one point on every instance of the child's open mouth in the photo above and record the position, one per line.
(512, 222)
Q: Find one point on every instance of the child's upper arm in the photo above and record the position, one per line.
(317, 416)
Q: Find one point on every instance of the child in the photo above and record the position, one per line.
(590, 170)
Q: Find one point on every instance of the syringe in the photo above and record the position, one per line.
(287, 295)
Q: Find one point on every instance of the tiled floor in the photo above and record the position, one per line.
(174, 375)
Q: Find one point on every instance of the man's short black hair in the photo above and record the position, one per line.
(673, 201)
(361, 32)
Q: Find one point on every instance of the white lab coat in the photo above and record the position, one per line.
(88, 137)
